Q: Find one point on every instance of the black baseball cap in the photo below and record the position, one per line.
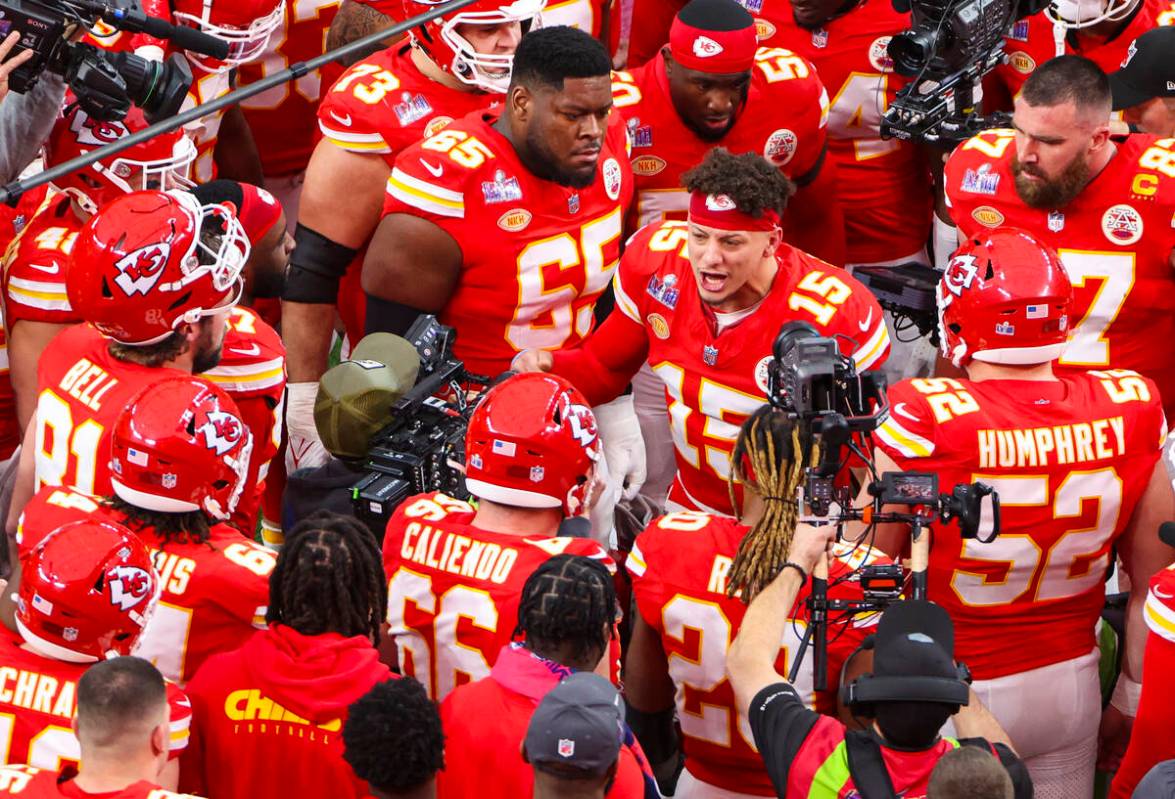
(578, 724)
(1148, 71)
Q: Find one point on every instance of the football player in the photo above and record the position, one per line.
(688, 614)
(156, 275)
(711, 86)
(123, 733)
(1101, 30)
(36, 307)
(884, 185)
(549, 173)
(530, 458)
(85, 594)
(282, 697)
(455, 64)
(282, 119)
(1074, 456)
(179, 454)
(1058, 175)
(701, 302)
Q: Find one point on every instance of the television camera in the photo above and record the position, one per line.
(106, 84)
(810, 379)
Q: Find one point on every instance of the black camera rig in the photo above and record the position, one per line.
(106, 84)
(422, 448)
(811, 380)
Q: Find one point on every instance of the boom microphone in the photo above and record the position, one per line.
(135, 21)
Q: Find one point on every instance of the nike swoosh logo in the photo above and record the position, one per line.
(900, 410)
(50, 270)
(868, 321)
(344, 120)
(435, 171)
(253, 349)
(1161, 594)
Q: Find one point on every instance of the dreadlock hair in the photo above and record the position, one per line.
(769, 456)
(392, 737)
(329, 578)
(191, 527)
(569, 599)
(748, 179)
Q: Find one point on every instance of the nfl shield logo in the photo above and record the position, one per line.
(536, 474)
(566, 747)
(1056, 221)
(573, 204)
(169, 480)
(710, 355)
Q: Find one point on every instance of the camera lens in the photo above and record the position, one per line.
(158, 88)
(912, 50)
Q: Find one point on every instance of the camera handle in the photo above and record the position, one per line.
(919, 556)
(816, 634)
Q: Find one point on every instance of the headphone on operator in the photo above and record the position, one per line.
(861, 695)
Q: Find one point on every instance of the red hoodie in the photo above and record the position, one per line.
(268, 717)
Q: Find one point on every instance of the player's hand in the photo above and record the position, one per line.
(1112, 737)
(533, 361)
(624, 447)
(9, 65)
(303, 446)
(809, 544)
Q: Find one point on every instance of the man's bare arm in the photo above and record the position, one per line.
(411, 262)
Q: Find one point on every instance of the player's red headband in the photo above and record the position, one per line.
(258, 213)
(716, 52)
(719, 211)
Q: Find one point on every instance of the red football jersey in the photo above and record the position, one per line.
(1124, 288)
(282, 118)
(714, 369)
(883, 185)
(679, 566)
(36, 262)
(27, 782)
(587, 15)
(252, 370)
(382, 105)
(453, 590)
(533, 283)
(215, 594)
(1031, 42)
(38, 700)
(9, 428)
(1070, 459)
(783, 119)
(81, 391)
(206, 87)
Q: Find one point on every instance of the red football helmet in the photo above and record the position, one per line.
(532, 443)
(151, 260)
(180, 446)
(1004, 298)
(86, 592)
(163, 162)
(450, 50)
(245, 25)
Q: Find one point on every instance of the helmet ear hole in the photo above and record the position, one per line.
(106, 292)
(181, 302)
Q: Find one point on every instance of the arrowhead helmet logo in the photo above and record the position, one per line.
(705, 47)
(582, 422)
(719, 202)
(129, 585)
(960, 274)
(222, 431)
(95, 132)
(139, 271)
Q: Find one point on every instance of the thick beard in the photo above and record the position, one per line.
(206, 357)
(544, 164)
(1055, 193)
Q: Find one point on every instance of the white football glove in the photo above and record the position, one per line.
(303, 446)
(624, 448)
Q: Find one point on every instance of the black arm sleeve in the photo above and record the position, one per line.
(779, 724)
(385, 316)
(316, 267)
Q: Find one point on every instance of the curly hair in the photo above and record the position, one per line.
(192, 527)
(548, 56)
(749, 179)
(769, 455)
(392, 737)
(569, 599)
(329, 577)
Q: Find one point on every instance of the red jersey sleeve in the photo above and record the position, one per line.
(346, 115)
(910, 432)
(36, 262)
(790, 82)
(179, 710)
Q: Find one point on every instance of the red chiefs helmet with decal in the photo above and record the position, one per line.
(245, 25)
(180, 446)
(86, 592)
(1004, 298)
(532, 443)
(152, 260)
(452, 52)
(162, 162)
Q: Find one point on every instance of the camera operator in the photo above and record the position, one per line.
(701, 301)
(915, 687)
(1074, 457)
(25, 119)
(531, 455)
(1144, 87)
